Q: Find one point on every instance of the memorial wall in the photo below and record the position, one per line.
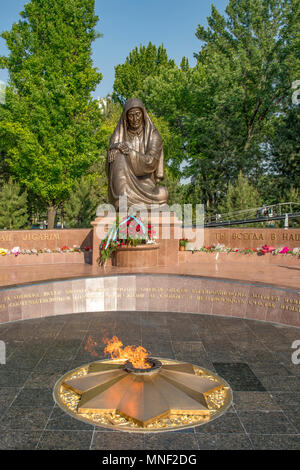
(231, 237)
(153, 293)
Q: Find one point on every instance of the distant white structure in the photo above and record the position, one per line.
(103, 103)
(296, 94)
(2, 92)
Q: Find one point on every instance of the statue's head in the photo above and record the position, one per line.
(135, 118)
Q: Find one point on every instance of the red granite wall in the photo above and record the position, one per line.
(252, 237)
(231, 237)
(39, 239)
(152, 293)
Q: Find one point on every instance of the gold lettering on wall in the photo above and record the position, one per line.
(179, 295)
(40, 236)
(5, 237)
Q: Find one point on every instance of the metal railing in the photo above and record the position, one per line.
(285, 210)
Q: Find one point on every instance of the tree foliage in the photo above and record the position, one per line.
(49, 122)
(240, 196)
(80, 208)
(13, 206)
(142, 62)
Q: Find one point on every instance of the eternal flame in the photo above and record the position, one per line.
(135, 160)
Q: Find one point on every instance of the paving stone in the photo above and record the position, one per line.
(286, 400)
(13, 377)
(37, 397)
(115, 440)
(239, 376)
(266, 411)
(29, 419)
(59, 420)
(171, 441)
(19, 440)
(224, 442)
(275, 441)
(269, 422)
(255, 401)
(227, 423)
(281, 384)
(65, 440)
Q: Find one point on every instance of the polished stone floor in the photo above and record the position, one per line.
(253, 269)
(254, 357)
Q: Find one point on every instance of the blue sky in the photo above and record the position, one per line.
(126, 24)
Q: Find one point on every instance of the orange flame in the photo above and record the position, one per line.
(91, 347)
(136, 355)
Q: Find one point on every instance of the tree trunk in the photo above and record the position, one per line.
(51, 216)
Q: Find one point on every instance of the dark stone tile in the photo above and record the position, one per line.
(18, 361)
(63, 352)
(53, 366)
(293, 414)
(188, 347)
(65, 440)
(213, 345)
(29, 419)
(286, 399)
(294, 368)
(275, 441)
(7, 395)
(227, 423)
(40, 380)
(59, 420)
(13, 377)
(268, 368)
(159, 349)
(269, 422)
(107, 440)
(224, 356)
(191, 356)
(19, 440)
(171, 441)
(34, 397)
(254, 401)
(254, 356)
(281, 384)
(223, 442)
(239, 376)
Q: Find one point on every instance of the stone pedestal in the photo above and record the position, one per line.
(167, 232)
(140, 256)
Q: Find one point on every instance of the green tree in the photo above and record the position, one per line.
(80, 209)
(48, 126)
(225, 108)
(13, 206)
(285, 150)
(250, 52)
(141, 63)
(240, 196)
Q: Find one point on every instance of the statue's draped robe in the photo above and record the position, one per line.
(136, 174)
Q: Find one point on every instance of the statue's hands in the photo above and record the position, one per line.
(123, 148)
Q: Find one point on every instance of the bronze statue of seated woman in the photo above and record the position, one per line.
(135, 160)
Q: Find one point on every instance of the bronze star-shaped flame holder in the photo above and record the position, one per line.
(175, 395)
